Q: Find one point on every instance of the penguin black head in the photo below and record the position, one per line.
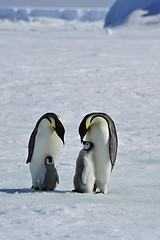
(82, 128)
(86, 123)
(88, 145)
(49, 160)
(54, 123)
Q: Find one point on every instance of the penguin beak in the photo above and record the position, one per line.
(53, 126)
(87, 127)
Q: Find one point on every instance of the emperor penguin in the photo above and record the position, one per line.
(100, 129)
(84, 177)
(44, 141)
(49, 176)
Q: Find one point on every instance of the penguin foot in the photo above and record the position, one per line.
(35, 188)
(99, 192)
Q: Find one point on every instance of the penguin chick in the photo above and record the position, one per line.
(84, 177)
(49, 177)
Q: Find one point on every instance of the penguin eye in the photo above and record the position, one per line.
(86, 145)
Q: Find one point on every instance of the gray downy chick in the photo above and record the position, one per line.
(49, 177)
(84, 177)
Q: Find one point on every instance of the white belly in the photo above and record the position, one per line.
(45, 145)
(88, 174)
(99, 136)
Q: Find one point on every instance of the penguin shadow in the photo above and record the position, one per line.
(16, 190)
(31, 190)
(61, 191)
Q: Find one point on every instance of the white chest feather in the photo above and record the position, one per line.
(88, 171)
(47, 145)
(98, 134)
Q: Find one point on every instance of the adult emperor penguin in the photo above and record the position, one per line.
(99, 129)
(49, 176)
(45, 140)
(84, 177)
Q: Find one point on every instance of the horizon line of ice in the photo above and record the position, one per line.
(82, 15)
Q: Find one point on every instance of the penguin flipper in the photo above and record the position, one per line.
(31, 145)
(57, 180)
(113, 145)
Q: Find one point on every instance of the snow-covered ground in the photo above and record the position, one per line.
(73, 68)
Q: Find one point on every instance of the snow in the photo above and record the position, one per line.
(73, 68)
(121, 9)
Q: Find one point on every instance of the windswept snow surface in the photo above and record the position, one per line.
(74, 68)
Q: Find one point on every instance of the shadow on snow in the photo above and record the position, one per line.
(30, 190)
